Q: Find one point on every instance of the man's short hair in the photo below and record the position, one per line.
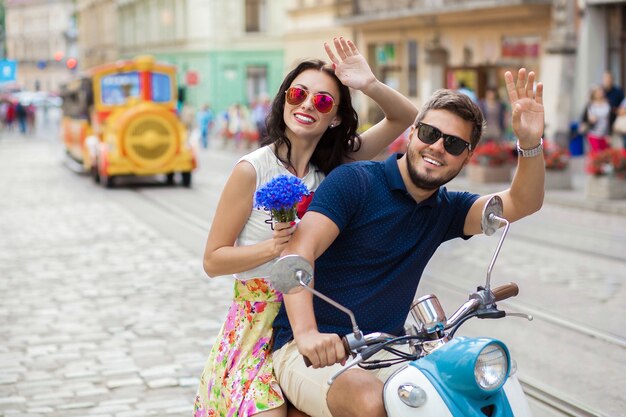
(458, 104)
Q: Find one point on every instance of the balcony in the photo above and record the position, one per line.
(366, 11)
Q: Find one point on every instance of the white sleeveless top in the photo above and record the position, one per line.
(267, 166)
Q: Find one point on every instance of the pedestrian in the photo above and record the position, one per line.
(205, 119)
(31, 113)
(621, 113)
(494, 112)
(187, 117)
(463, 88)
(260, 111)
(613, 94)
(238, 118)
(4, 106)
(311, 130)
(46, 110)
(595, 120)
(20, 115)
(371, 229)
(10, 115)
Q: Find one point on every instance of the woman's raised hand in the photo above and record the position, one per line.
(350, 66)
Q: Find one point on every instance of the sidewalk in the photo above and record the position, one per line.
(574, 198)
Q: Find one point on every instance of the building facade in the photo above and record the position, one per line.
(41, 35)
(417, 46)
(601, 46)
(231, 52)
(310, 23)
(97, 25)
(226, 52)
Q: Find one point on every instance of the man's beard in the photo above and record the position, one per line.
(424, 181)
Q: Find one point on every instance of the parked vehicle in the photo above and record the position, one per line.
(444, 375)
(121, 119)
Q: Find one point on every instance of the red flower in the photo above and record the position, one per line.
(556, 157)
(607, 162)
(303, 204)
(492, 153)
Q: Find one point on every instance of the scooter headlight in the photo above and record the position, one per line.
(491, 367)
(476, 367)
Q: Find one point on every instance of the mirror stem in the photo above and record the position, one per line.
(355, 328)
(495, 255)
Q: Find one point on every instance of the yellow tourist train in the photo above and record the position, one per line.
(120, 119)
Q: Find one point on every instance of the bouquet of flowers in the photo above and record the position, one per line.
(607, 162)
(556, 158)
(492, 153)
(280, 197)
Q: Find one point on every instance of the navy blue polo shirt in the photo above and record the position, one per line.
(385, 241)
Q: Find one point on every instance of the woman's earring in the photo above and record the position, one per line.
(331, 125)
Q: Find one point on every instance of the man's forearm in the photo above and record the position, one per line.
(527, 188)
(300, 311)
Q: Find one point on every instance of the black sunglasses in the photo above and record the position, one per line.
(454, 145)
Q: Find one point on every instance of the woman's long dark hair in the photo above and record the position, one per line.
(336, 143)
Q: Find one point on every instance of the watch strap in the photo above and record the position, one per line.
(528, 153)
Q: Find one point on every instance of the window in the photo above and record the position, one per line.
(412, 73)
(256, 82)
(77, 98)
(256, 16)
(161, 88)
(116, 88)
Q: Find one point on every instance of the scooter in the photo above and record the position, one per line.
(445, 376)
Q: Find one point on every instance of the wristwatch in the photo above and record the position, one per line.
(528, 153)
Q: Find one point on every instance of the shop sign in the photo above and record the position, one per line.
(520, 46)
(8, 70)
(192, 78)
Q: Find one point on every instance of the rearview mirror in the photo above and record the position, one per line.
(492, 214)
(291, 273)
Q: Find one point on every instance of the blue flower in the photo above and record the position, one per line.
(280, 195)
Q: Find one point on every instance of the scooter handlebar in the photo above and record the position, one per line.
(505, 291)
(346, 346)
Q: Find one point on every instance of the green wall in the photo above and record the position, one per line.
(222, 74)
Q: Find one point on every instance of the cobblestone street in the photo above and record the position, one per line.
(105, 309)
(90, 324)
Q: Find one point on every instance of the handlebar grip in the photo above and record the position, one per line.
(346, 346)
(505, 291)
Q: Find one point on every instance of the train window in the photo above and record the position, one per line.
(117, 88)
(161, 88)
(77, 99)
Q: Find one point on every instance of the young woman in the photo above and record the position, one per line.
(596, 119)
(312, 128)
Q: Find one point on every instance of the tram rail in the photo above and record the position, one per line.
(557, 401)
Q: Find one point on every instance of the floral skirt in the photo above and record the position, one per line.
(238, 378)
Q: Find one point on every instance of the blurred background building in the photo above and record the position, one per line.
(226, 52)
(231, 52)
(98, 28)
(41, 35)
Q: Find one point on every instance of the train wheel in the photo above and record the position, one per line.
(106, 180)
(186, 179)
(94, 173)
